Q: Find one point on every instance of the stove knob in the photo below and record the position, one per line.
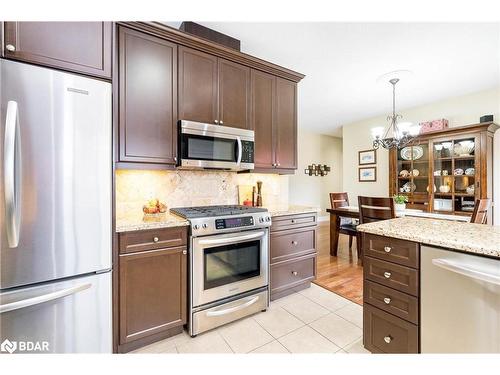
(268, 219)
(205, 226)
(196, 227)
(261, 219)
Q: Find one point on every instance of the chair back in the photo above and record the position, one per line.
(375, 209)
(480, 213)
(339, 200)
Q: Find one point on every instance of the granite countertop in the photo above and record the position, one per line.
(138, 222)
(291, 210)
(473, 238)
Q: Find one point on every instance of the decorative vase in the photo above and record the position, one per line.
(400, 206)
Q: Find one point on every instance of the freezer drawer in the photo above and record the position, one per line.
(460, 302)
(72, 316)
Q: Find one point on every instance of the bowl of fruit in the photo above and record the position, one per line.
(154, 208)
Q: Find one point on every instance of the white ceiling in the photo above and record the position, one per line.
(342, 62)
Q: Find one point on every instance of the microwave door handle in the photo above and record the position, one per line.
(467, 271)
(226, 240)
(12, 174)
(240, 150)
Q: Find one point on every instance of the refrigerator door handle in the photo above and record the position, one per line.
(43, 298)
(467, 271)
(12, 178)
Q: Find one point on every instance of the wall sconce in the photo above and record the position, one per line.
(317, 170)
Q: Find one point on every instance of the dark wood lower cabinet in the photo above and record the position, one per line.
(391, 295)
(152, 295)
(292, 253)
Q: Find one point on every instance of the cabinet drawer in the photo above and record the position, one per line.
(391, 249)
(293, 272)
(292, 243)
(392, 301)
(131, 242)
(401, 278)
(293, 221)
(385, 333)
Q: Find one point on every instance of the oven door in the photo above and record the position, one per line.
(228, 264)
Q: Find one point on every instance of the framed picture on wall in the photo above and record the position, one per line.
(367, 174)
(367, 157)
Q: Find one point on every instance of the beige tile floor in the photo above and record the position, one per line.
(314, 320)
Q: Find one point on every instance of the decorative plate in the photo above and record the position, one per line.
(415, 172)
(409, 153)
(458, 172)
(470, 171)
(404, 173)
(409, 187)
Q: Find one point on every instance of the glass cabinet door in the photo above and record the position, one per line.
(413, 175)
(455, 175)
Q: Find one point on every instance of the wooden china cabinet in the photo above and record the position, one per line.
(445, 171)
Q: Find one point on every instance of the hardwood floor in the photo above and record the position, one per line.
(341, 274)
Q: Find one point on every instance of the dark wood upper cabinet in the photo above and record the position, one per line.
(152, 292)
(263, 89)
(198, 81)
(286, 124)
(234, 94)
(147, 98)
(82, 47)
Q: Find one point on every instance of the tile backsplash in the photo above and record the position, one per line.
(191, 188)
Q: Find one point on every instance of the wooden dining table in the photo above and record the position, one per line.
(353, 212)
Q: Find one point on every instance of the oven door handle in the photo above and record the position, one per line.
(226, 240)
(234, 308)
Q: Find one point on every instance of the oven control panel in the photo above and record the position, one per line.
(234, 222)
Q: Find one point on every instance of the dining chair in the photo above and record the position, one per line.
(374, 209)
(347, 225)
(480, 214)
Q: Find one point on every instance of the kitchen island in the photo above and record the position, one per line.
(431, 286)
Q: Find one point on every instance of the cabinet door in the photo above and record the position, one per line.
(286, 124)
(147, 98)
(234, 94)
(263, 89)
(83, 47)
(197, 86)
(152, 292)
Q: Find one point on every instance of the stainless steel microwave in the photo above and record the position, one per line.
(207, 146)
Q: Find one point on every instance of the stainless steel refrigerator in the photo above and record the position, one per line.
(55, 211)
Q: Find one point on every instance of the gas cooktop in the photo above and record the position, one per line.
(212, 211)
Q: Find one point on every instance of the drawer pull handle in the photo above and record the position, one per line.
(387, 275)
(10, 47)
(387, 300)
(295, 273)
(293, 221)
(184, 252)
(387, 249)
(388, 339)
(156, 239)
(295, 243)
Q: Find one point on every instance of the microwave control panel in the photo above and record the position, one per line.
(248, 151)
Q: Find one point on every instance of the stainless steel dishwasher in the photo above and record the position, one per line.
(460, 302)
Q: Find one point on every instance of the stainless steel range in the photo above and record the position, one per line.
(229, 251)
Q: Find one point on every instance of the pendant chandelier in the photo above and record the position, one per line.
(403, 133)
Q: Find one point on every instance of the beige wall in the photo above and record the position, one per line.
(312, 190)
(462, 110)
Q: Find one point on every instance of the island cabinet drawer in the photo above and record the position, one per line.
(287, 244)
(293, 221)
(385, 333)
(392, 249)
(292, 273)
(142, 240)
(401, 278)
(397, 303)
